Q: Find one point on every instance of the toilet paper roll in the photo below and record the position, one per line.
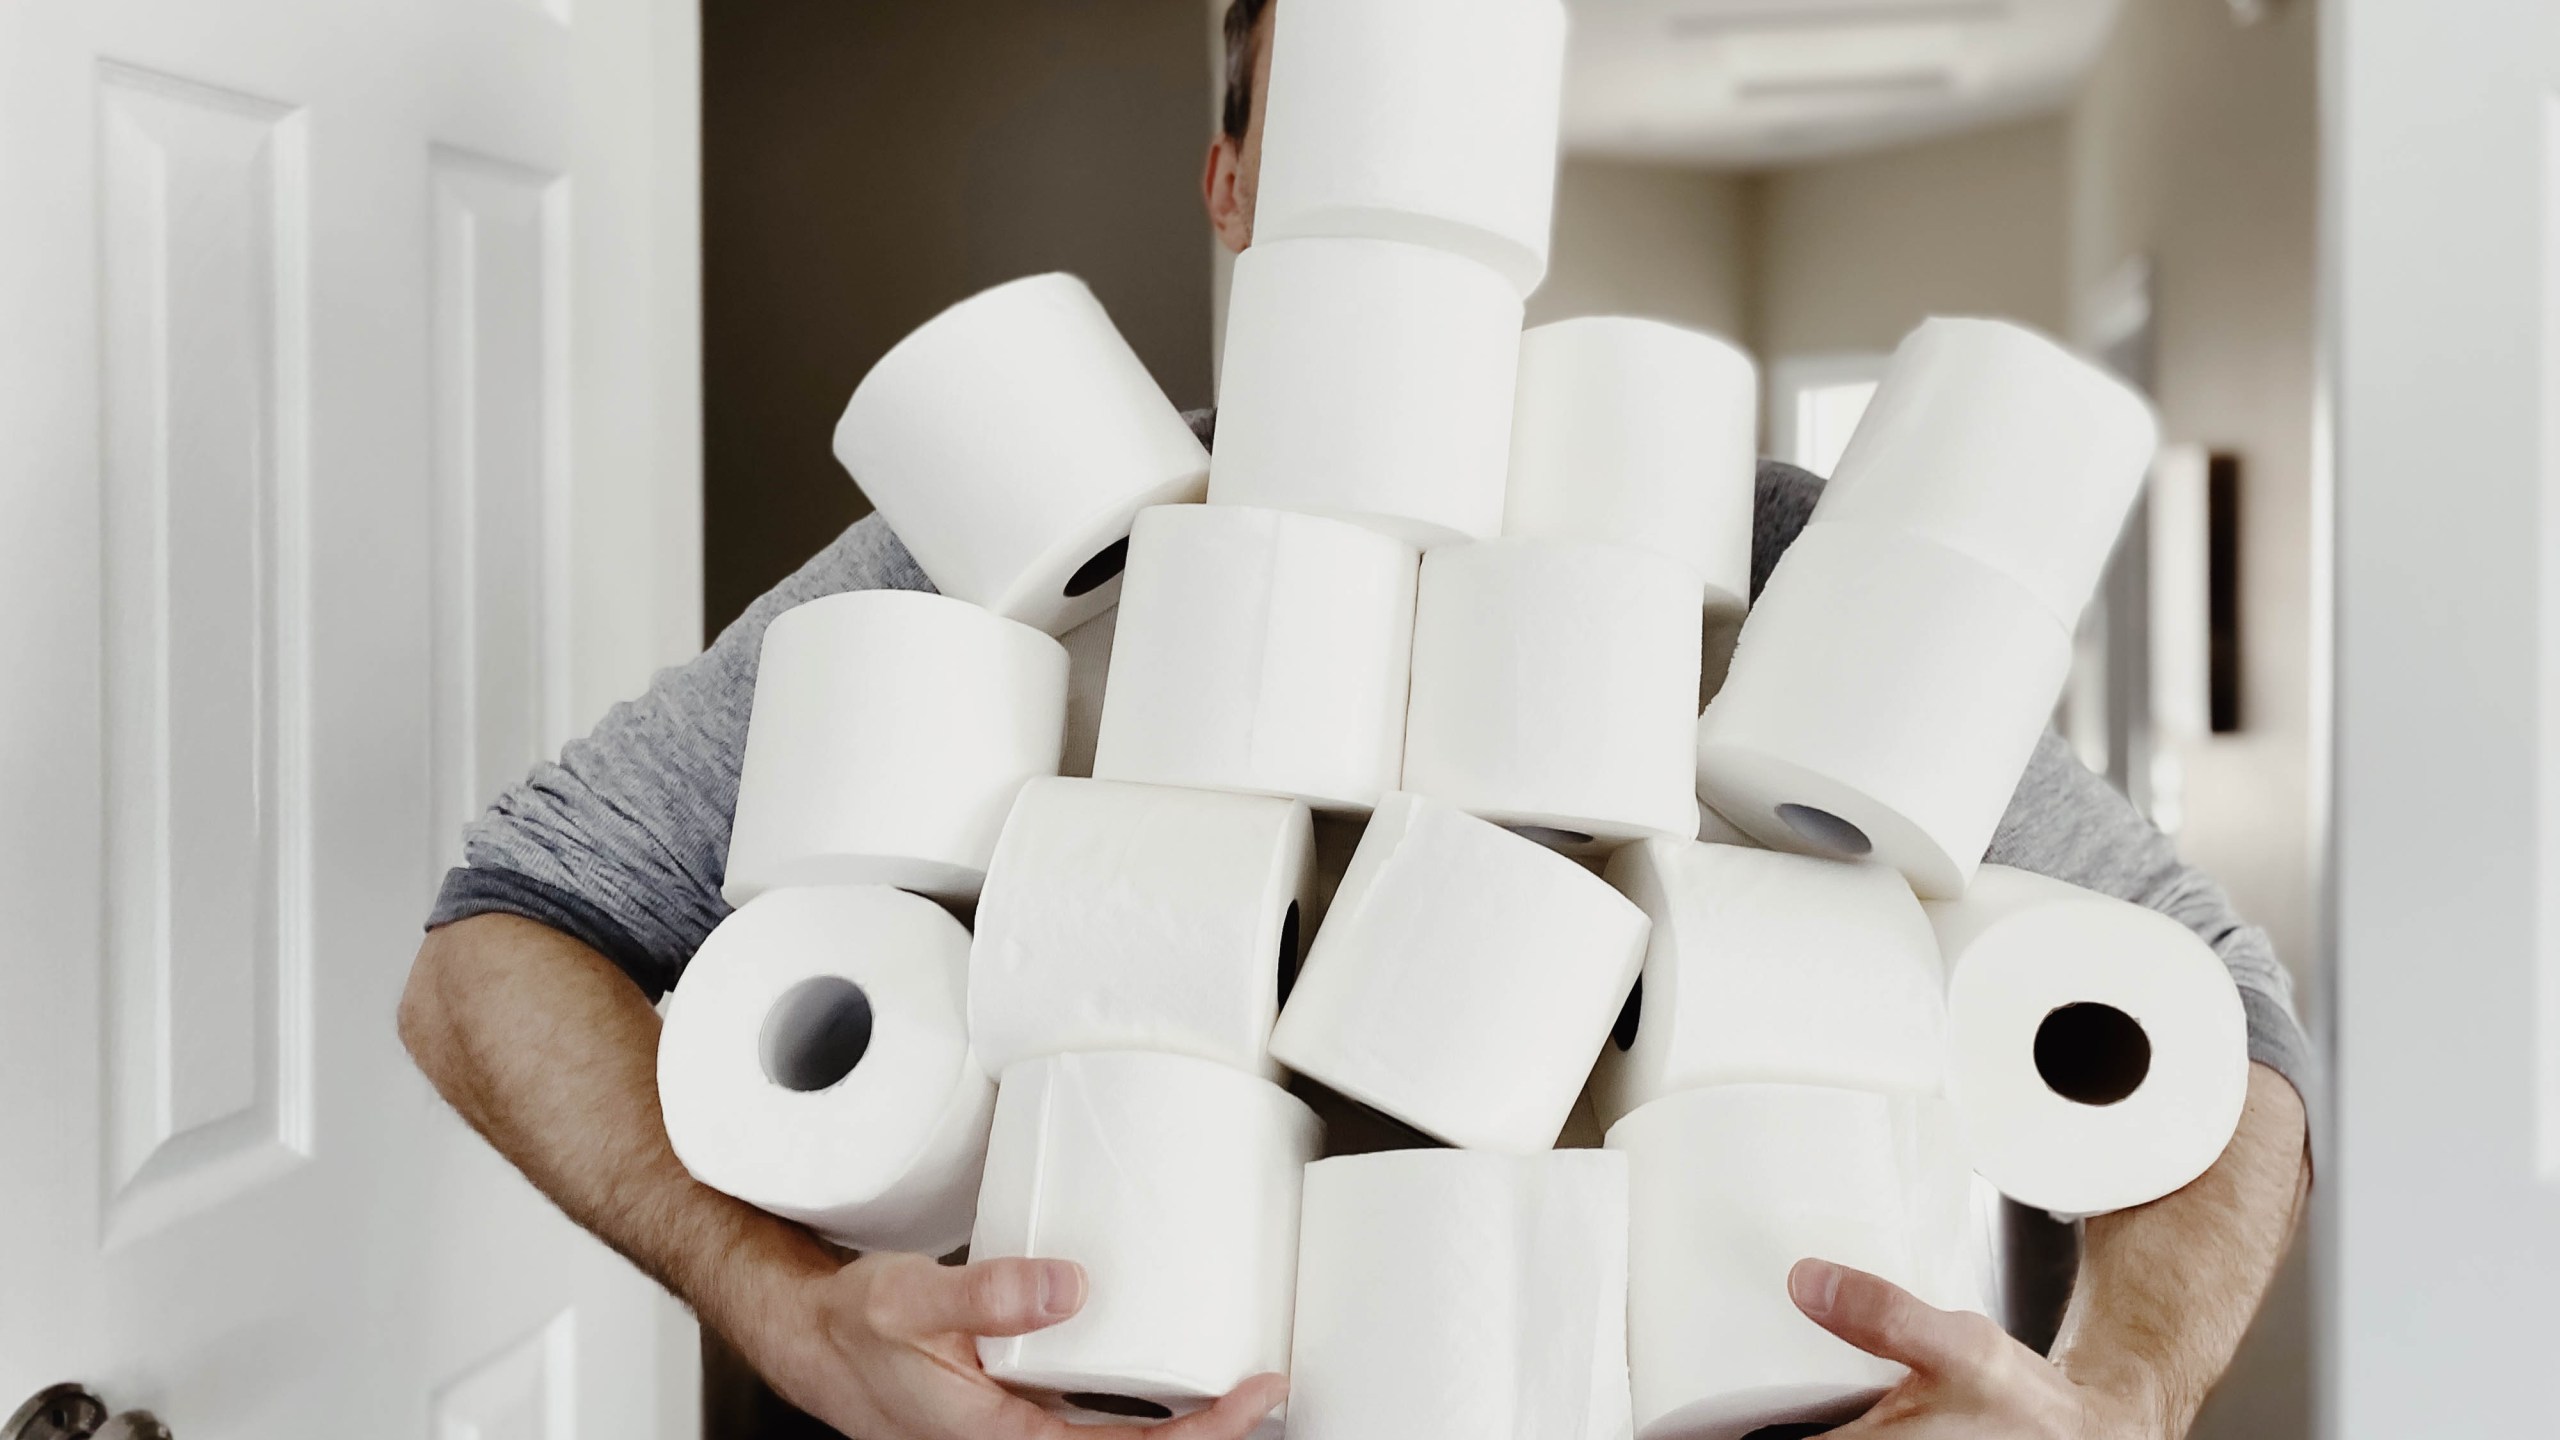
(2097, 1052)
(1554, 689)
(1010, 441)
(1727, 1188)
(1454, 1293)
(1371, 381)
(815, 1063)
(890, 734)
(1886, 696)
(1639, 433)
(1174, 1182)
(1261, 652)
(1431, 121)
(1770, 967)
(1994, 441)
(1136, 917)
(1463, 980)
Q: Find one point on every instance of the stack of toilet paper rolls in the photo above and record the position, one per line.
(1466, 588)
(1775, 1083)
(1892, 683)
(817, 1060)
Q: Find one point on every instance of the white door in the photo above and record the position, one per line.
(347, 461)
(2444, 288)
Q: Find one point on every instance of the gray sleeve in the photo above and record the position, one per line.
(622, 842)
(2069, 824)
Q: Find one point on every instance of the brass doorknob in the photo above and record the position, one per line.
(70, 1412)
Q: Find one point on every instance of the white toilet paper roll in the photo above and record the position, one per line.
(2097, 1052)
(815, 1062)
(1463, 980)
(1770, 967)
(1137, 917)
(1432, 121)
(1885, 698)
(891, 732)
(1261, 652)
(1371, 381)
(1994, 441)
(1639, 433)
(1554, 689)
(1174, 1182)
(1010, 441)
(1727, 1188)
(1454, 1293)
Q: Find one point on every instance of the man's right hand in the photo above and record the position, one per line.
(886, 1349)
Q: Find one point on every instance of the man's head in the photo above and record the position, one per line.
(1235, 156)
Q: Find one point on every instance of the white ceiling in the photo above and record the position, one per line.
(1758, 83)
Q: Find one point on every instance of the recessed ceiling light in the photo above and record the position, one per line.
(1807, 15)
(1872, 84)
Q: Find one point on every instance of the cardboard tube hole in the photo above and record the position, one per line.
(1623, 1034)
(2092, 1054)
(1291, 957)
(816, 1033)
(1126, 1406)
(1101, 570)
(1827, 832)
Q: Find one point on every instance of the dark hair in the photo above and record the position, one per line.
(1243, 16)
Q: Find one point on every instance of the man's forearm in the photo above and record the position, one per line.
(2167, 1290)
(551, 1053)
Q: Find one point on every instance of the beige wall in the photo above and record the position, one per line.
(1855, 252)
(1649, 240)
(2196, 144)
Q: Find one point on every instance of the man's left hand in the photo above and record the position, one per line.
(1969, 1380)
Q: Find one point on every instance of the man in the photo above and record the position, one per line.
(589, 886)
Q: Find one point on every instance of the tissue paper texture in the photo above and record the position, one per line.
(1136, 917)
(815, 1062)
(1886, 696)
(1174, 1182)
(1010, 441)
(1633, 432)
(890, 734)
(1463, 980)
(1457, 1293)
(1727, 1189)
(1770, 967)
(1262, 652)
(1555, 685)
(1371, 381)
(1995, 442)
(2097, 1053)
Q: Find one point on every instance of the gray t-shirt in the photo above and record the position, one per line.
(622, 842)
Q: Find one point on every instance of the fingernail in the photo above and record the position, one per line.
(1815, 1285)
(1061, 1288)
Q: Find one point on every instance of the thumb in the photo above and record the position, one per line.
(1884, 1319)
(991, 1297)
